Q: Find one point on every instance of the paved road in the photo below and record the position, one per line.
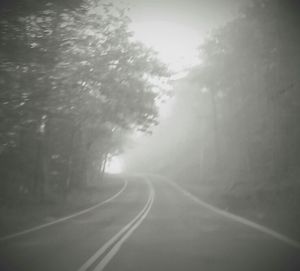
(150, 226)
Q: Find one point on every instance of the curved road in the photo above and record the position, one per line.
(150, 226)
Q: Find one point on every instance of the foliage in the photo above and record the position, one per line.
(72, 81)
(248, 77)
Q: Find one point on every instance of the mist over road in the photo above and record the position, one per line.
(150, 226)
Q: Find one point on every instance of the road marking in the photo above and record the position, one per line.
(237, 218)
(117, 240)
(39, 227)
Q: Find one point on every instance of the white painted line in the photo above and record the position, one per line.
(126, 231)
(237, 218)
(39, 227)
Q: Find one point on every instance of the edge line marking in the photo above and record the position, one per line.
(62, 219)
(237, 218)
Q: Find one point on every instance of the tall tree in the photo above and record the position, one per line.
(249, 67)
(74, 74)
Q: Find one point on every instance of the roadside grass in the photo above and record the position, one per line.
(275, 205)
(18, 217)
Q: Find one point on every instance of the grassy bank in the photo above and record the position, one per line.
(25, 215)
(275, 205)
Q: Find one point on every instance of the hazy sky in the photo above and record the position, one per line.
(198, 14)
(175, 28)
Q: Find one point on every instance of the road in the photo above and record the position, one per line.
(151, 225)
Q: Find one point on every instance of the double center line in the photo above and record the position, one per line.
(105, 254)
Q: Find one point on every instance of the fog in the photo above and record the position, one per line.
(137, 132)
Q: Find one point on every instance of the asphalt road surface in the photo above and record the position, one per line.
(153, 226)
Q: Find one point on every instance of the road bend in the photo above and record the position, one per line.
(67, 245)
(152, 225)
(179, 234)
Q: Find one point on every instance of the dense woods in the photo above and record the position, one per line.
(135, 131)
(73, 83)
(250, 77)
(239, 109)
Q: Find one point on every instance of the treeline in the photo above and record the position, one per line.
(245, 99)
(73, 83)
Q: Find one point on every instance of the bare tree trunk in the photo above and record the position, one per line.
(216, 131)
(45, 172)
(37, 176)
(69, 177)
(103, 166)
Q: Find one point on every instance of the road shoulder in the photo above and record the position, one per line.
(22, 217)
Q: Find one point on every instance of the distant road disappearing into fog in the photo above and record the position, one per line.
(150, 226)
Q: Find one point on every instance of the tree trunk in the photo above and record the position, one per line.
(215, 131)
(69, 178)
(103, 166)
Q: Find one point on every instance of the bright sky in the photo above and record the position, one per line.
(114, 165)
(175, 29)
(176, 44)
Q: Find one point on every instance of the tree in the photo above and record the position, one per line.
(249, 67)
(76, 80)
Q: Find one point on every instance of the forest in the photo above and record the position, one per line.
(236, 115)
(195, 105)
(73, 85)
